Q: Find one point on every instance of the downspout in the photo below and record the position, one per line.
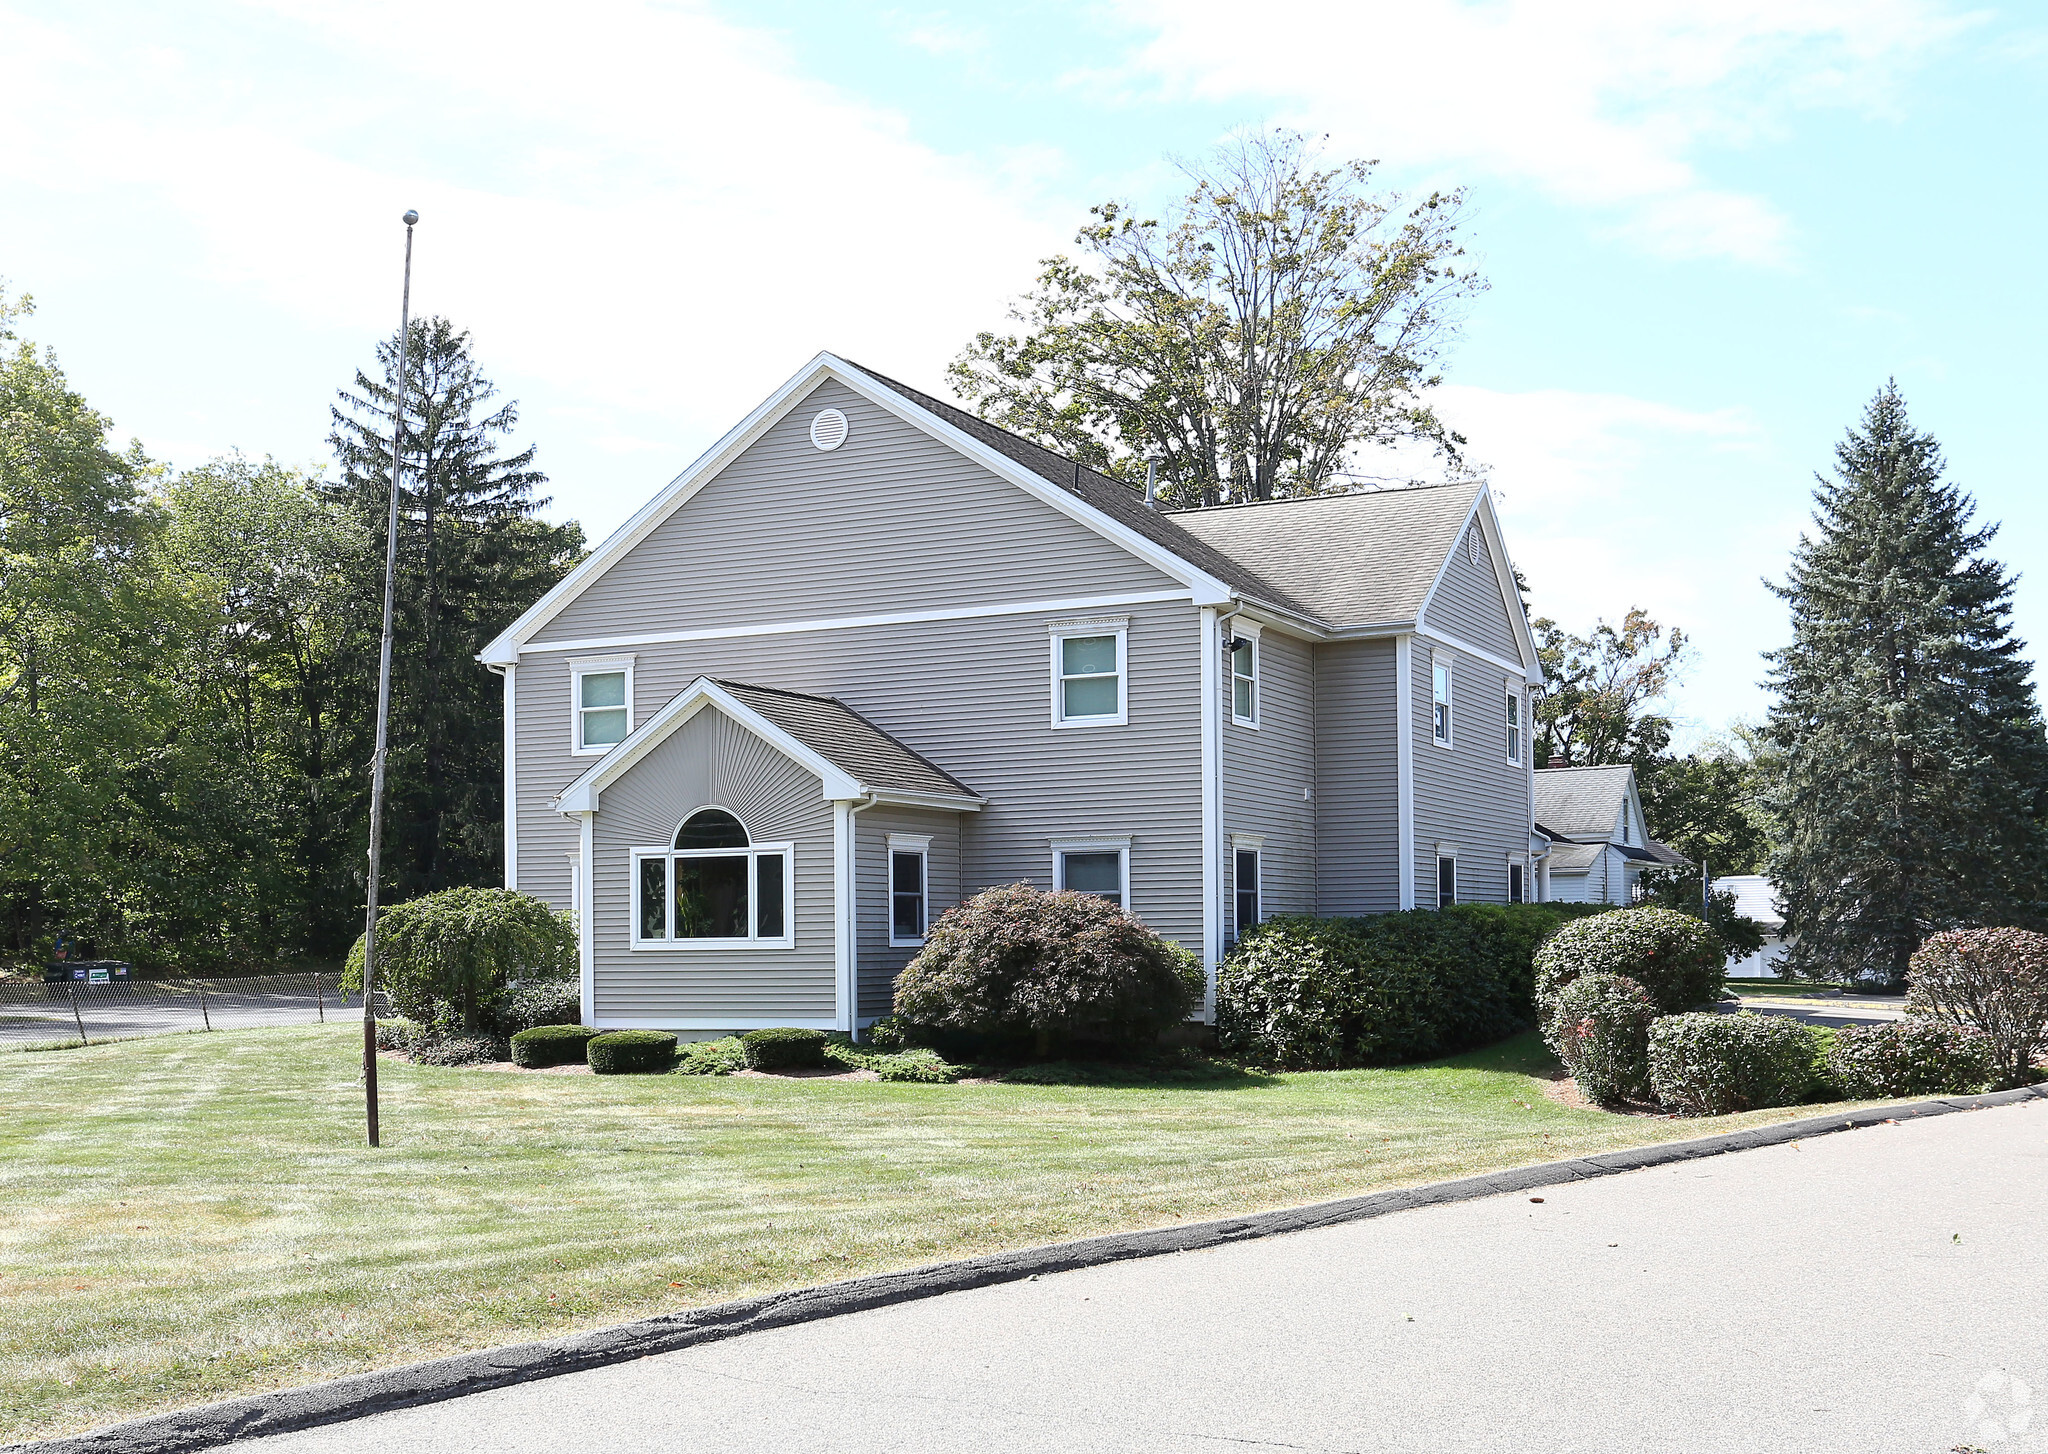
(847, 876)
(511, 780)
(1215, 885)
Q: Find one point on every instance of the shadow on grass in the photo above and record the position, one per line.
(1182, 1072)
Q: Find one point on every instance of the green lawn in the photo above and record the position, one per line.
(194, 1216)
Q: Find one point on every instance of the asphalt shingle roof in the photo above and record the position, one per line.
(1580, 802)
(1341, 560)
(848, 740)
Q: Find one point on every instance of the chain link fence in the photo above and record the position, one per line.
(39, 1014)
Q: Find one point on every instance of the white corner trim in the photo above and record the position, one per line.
(511, 788)
(1210, 704)
(845, 994)
(1404, 767)
(765, 416)
(585, 870)
(909, 842)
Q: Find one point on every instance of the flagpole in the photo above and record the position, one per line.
(384, 705)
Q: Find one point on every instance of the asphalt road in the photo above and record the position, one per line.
(1874, 1291)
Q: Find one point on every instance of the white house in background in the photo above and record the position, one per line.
(1756, 897)
(1599, 844)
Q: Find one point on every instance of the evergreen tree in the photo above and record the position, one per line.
(472, 556)
(1913, 774)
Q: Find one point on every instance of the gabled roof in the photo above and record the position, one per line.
(1365, 559)
(852, 757)
(1756, 897)
(1581, 802)
(1332, 563)
(848, 740)
(1568, 857)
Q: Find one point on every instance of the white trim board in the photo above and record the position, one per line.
(765, 416)
(850, 623)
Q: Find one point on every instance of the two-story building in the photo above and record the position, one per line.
(870, 654)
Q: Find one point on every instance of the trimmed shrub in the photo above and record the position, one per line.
(1674, 956)
(464, 948)
(435, 1044)
(544, 1045)
(1993, 980)
(631, 1052)
(918, 1064)
(540, 1002)
(1914, 1057)
(1022, 964)
(784, 1047)
(888, 1033)
(1709, 1065)
(1320, 993)
(712, 1057)
(1600, 1028)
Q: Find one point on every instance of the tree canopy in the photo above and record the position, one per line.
(1281, 317)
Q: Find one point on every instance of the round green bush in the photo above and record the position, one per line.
(888, 1033)
(1910, 1057)
(784, 1047)
(1993, 980)
(1709, 1065)
(545, 1045)
(1600, 1028)
(1674, 956)
(631, 1052)
(1048, 968)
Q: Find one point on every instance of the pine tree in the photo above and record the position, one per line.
(1914, 774)
(472, 555)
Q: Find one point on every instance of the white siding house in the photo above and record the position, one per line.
(1600, 845)
(1756, 897)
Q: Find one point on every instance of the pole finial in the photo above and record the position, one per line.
(411, 217)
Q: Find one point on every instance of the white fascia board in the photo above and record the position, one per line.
(1465, 648)
(581, 796)
(1531, 665)
(505, 647)
(944, 802)
(1208, 590)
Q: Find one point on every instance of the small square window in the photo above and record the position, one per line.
(1088, 673)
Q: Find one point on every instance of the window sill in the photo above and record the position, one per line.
(895, 943)
(690, 946)
(592, 751)
(1251, 722)
(1062, 723)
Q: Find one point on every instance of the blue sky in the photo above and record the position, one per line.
(1712, 229)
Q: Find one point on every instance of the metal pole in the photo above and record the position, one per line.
(384, 706)
(319, 997)
(79, 1018)
(204, 1018)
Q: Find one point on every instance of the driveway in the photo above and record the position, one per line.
(1874, 1291)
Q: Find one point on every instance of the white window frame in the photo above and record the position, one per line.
(1443, 662)
(1249, 632)
(919, 844)
(1119, 845)
(579, 668)
(751, 852)
(1517, 861)
(1446, 853)
(1059, 631)
(1516, 712)
(1255, 845)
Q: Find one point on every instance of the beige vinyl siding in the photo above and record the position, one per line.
(880, 961)
(1468, 604)
(892, 520)
(1470, 795)
(1269, 774)
(713, 761)
(973, 696)
(1357, 778)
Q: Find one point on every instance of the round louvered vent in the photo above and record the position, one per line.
(828, 430)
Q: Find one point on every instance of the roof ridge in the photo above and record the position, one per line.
(1320, 495)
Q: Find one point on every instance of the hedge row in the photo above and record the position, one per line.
(1322, 993)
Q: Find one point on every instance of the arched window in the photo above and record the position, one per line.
(713, 885)
(711, 828)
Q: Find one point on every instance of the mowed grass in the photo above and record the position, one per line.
(195, 1216)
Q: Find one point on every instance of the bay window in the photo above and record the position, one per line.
(713, 887)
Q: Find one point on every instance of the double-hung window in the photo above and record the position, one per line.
(1088, 672)
(1244, 680)
(601, 703)
(1440, 698)
(1245, 887)
(713, 887)
(1514, 719)
(1099, 866)
(909, 886)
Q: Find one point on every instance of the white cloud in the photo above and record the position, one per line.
(1604, 104)
(643, 206)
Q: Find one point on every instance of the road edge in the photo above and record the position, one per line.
(209, 1426)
